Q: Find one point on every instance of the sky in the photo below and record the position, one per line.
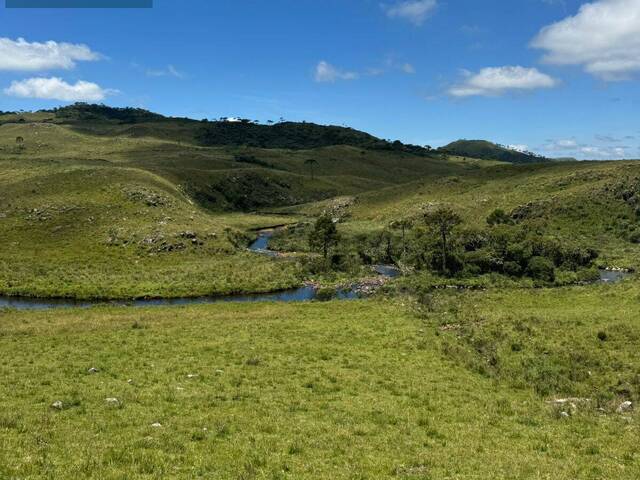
(557, 77)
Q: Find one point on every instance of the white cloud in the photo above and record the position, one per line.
(170, 71)
(493, 81)
(408, 69)
(57, 89)
(414, 11)
(567, 144)
(572, 148)
(519, 148)
(20, 55)
(603, 37)
(325, 72)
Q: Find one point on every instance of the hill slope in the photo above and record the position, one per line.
(490, 151)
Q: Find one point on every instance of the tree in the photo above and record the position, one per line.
(403, 225)
(19, 140)
(443, 220)
(311, 162)
(324, 235)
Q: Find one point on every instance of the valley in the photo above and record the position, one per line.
(490, 332)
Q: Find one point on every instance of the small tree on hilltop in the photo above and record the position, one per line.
(324, 235)
(443, 220)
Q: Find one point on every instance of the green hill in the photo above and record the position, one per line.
(102, 119)
(490, 151)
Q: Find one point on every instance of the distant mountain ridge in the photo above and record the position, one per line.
(485, 150)
(236, 132)
(233, 132)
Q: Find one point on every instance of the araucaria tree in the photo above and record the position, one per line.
(324, 235)
(403, 225)
(311, 162)
(443, 220)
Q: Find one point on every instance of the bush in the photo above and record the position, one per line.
(499, 217)
(512, 268)
(541, 268)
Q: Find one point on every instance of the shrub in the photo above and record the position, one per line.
(499, 217)
(541, 268)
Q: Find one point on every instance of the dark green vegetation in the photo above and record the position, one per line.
(359, 389)
(490, 151)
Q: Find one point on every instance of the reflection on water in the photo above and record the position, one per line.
(613, 276)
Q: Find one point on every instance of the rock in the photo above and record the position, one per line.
(156, 425)
(93, 370)
(219, 372)
(193, 375)
(112, 401)
(625, 407)
(570, 401)
(130, 381)
(58, 405)
(564, 415)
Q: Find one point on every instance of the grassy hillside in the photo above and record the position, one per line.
(490, 151)
(110, 215)
(592, 204)
(136, 122)
(318, 391)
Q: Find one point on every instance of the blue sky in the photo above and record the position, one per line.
(519, 72)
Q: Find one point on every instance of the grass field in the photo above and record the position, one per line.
(363, 389)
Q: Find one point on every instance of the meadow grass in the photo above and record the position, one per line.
(362, 389)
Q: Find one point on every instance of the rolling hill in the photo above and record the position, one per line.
(490, 151)
(103, 202)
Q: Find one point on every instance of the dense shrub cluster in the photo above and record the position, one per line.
(438, 242)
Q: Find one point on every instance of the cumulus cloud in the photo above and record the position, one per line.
(20, 55)
(414, 11)
(57, 89)
(327, 73)
(571, 148)
(494, 81)
(603, 37)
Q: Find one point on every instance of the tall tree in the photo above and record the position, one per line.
(311, 162)
(324, 235)
(443, 220)
(403, 225)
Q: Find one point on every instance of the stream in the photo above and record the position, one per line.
(259, 246)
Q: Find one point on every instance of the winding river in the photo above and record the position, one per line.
(259, 246)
